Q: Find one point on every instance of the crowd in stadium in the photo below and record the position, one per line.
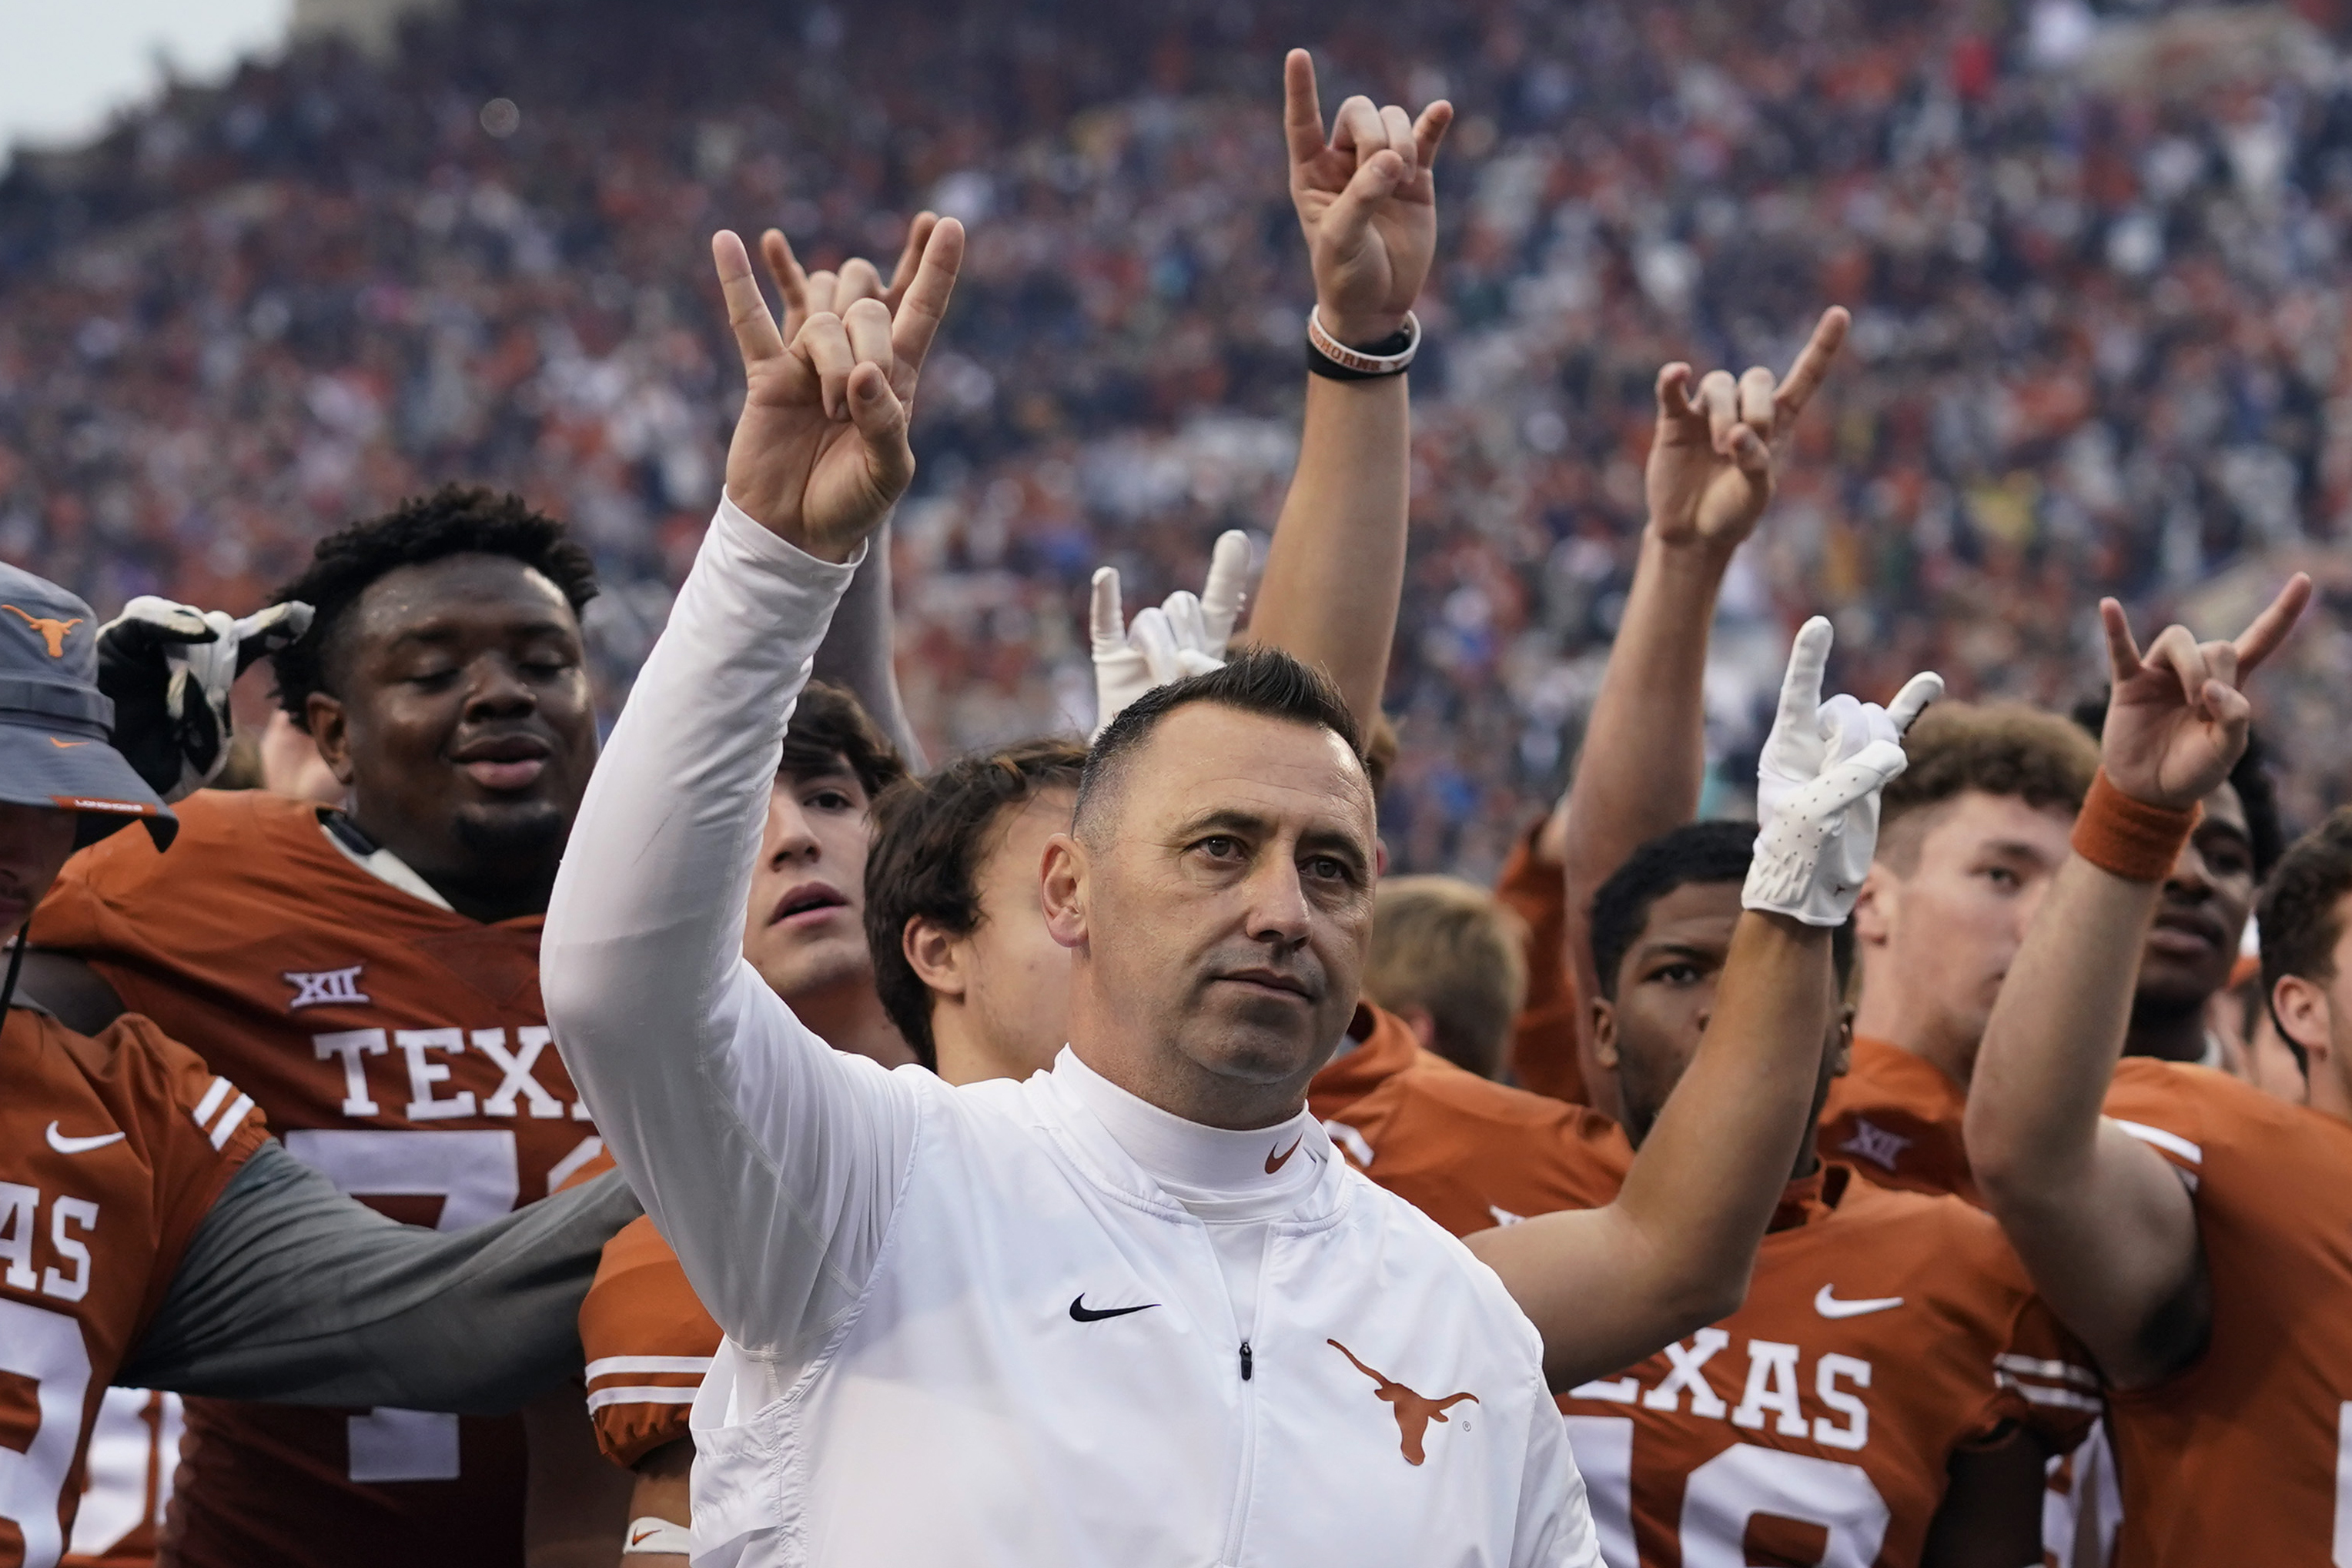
(2097, 345)
(576, 992)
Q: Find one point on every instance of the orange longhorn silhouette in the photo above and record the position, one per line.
(53, 633)
(1414, 1411)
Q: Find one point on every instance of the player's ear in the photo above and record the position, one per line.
(1873, 906)
(1062, 890)
(323, 717)
(1842, 1053)
(936, 955)
(2304, 1016)
(1423, 1027)
(1604, 1033)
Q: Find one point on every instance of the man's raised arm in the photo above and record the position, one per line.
(1712, 470)
(1608, 1286)
(2099, 1219)
(1367, 203)
(723, 1110)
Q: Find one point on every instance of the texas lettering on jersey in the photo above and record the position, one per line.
(402, 1050)
(1883, 1333)
(112, 1150)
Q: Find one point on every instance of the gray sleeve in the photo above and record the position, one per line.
(858, 650)
(292, 1292)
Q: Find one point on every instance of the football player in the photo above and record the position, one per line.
(2191, 1235)
(151, 1232)
(1888, 1392)
(369, 974)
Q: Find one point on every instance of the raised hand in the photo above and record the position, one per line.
(2177, 721)
(1818, 783)
(1713, 461)
(805, 293)
(1366, 201)
(168, 669)
(1185, 635)
(820, 455)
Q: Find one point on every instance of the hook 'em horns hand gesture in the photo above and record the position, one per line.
(821, 454)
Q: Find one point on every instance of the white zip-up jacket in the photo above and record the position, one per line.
(1038, 1323)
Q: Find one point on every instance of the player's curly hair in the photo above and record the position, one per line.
(831, 730)
(1994, 748)
(453, 521)
(929, 834)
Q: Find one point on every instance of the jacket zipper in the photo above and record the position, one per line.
(1238, 1527)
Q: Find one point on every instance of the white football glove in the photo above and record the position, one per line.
(168, 668)
(1817, 786)
(1184, 637)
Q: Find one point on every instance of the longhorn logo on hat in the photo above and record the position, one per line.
(53, 633)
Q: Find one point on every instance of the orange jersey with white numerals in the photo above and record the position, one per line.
(2245, 1455)
(401, 1049)
(648, 1340)
(1882, 1332)
(1897, 1118)
(112, 1151)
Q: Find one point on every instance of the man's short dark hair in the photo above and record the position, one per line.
(1695, 852)
(1264, 681)
(453, 520)
(2299, 913)
(928, 837)
(831, 732)
(2250, 776)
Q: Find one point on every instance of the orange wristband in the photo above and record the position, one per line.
(2129, 838)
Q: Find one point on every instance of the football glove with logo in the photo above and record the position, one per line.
(1817, 786)
(1185, 635)
(169, 668)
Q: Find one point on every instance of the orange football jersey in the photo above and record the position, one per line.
(1897, 1118)
(112, 1150)
(648, 1341)
(1882, 1332)
(1543, 1037)
(401, 1049)
(2246, 1455)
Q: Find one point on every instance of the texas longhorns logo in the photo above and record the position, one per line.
(53, 633)
(1413, 1412)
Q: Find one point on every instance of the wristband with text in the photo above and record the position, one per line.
(1392, 356)
(2129, 838)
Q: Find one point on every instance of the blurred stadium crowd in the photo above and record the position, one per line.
(2094, 259)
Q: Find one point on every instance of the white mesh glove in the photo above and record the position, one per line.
(168, 668)
(1817, 786)
(1184, 637)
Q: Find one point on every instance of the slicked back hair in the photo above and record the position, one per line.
(453, 520)
(831, 731)
(1264, 681)
(929, 834)
(1993, 749)
(2250, 776)
(2300, 913)
(1714, 852)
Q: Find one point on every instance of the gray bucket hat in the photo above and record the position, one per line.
(55, 749)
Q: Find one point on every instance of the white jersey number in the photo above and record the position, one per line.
(1724, 1493)
(45, 1347)
(478, 1177)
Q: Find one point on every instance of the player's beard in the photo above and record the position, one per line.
(515, 837)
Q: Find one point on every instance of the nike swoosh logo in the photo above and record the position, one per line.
(643, 1536)
(1083, 1314)
(1274, 1162)
(67, 744)
(1828, 1306)
(66, 1145)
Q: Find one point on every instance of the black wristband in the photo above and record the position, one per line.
(1397, 342)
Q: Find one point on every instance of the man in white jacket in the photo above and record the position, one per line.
(1132, 1310)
